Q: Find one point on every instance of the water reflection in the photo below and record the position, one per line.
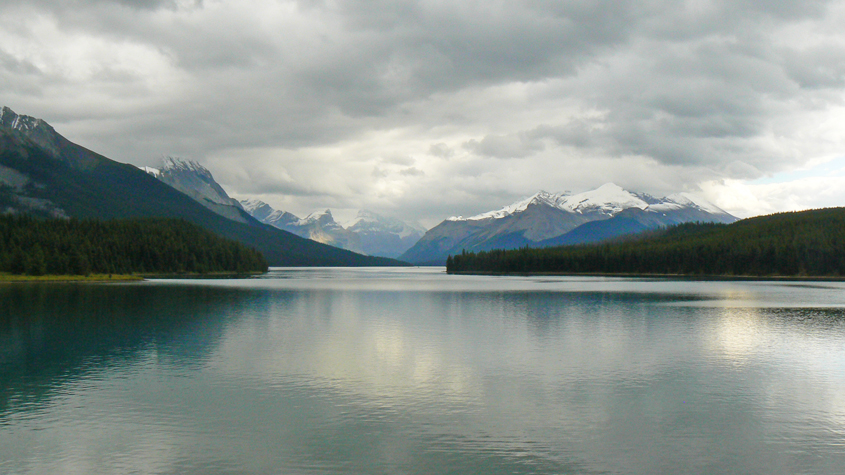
(51, 334)
(330, 371)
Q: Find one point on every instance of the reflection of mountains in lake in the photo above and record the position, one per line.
(50, 334)
(376, 371)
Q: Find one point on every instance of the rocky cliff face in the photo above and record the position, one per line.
(196, 181)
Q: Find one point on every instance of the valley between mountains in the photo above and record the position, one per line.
(542, 220)
(44, 174)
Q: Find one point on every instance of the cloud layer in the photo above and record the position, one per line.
(424, 109)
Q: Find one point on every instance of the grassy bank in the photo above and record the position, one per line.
(6, 278)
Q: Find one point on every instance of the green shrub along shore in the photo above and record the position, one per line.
(798, 244)
(104, 250)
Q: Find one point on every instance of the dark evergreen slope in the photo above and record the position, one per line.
(41, 172)
(807, 243)
(548, 220)
(629, 221)
(72, 247)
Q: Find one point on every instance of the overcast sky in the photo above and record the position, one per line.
(427, 109)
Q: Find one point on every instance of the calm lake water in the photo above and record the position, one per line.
(394, 371)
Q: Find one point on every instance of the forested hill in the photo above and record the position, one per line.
(147, 246)
(800, 244)
(43, 173)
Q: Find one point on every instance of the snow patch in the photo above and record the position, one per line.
(252, 204)
(325, 214)
(151, 171)
(608, 199)
(541, 197)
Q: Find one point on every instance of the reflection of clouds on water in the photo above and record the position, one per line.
(351, 341)
(618, 376)
(738, 333)
(804, 343)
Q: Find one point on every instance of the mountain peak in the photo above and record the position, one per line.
(252, 204)
(372, 222)
(324, 217)
(690, 200)
(178, 164)
(11, 120)
(36, 130)
(539, 198)
(608, 199)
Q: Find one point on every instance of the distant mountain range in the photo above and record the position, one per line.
(547, 219)
(196, 181)
(369, 233)
(43, 173)
(803, 244)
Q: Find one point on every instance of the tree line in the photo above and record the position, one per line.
(808, 243)
(35, 246)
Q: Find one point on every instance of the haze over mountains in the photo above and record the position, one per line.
(43, 173)
(542, 220)
(369, 233)
(547, 219)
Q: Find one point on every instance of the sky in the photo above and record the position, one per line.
(423, 110)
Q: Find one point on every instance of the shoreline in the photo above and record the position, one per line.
(54, 279)
(776, 278)
(113, 278)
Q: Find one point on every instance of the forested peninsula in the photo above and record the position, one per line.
(34, 246)
(796, 244)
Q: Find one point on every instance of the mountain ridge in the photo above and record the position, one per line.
(792, 245)
(547, 219)
(369, 232)
(43, 173)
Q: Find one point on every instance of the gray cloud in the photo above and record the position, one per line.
(518, 145)
(715, 89)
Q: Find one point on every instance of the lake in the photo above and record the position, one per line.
(413, 371)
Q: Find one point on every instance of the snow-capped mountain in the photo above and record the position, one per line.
(548, 219)
(608, 199)
(368, 233)
(44, 174)
(320, 226)
(383, 236)
(196, 181)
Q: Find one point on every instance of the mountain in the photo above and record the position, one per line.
(805, 244)
(321, 227)
(372, 235)
(383, 236)
(196, 181)
(45, 174)
(368, 233)
(547, 219)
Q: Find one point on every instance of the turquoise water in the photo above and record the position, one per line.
(307, 371)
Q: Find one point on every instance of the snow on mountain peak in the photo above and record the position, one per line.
(151, 171)
(371, 222)
(687, 199)
(322, 216)
(541, 197)
(609, 199)
(252, 204)
(171, 163)
(12, 120)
